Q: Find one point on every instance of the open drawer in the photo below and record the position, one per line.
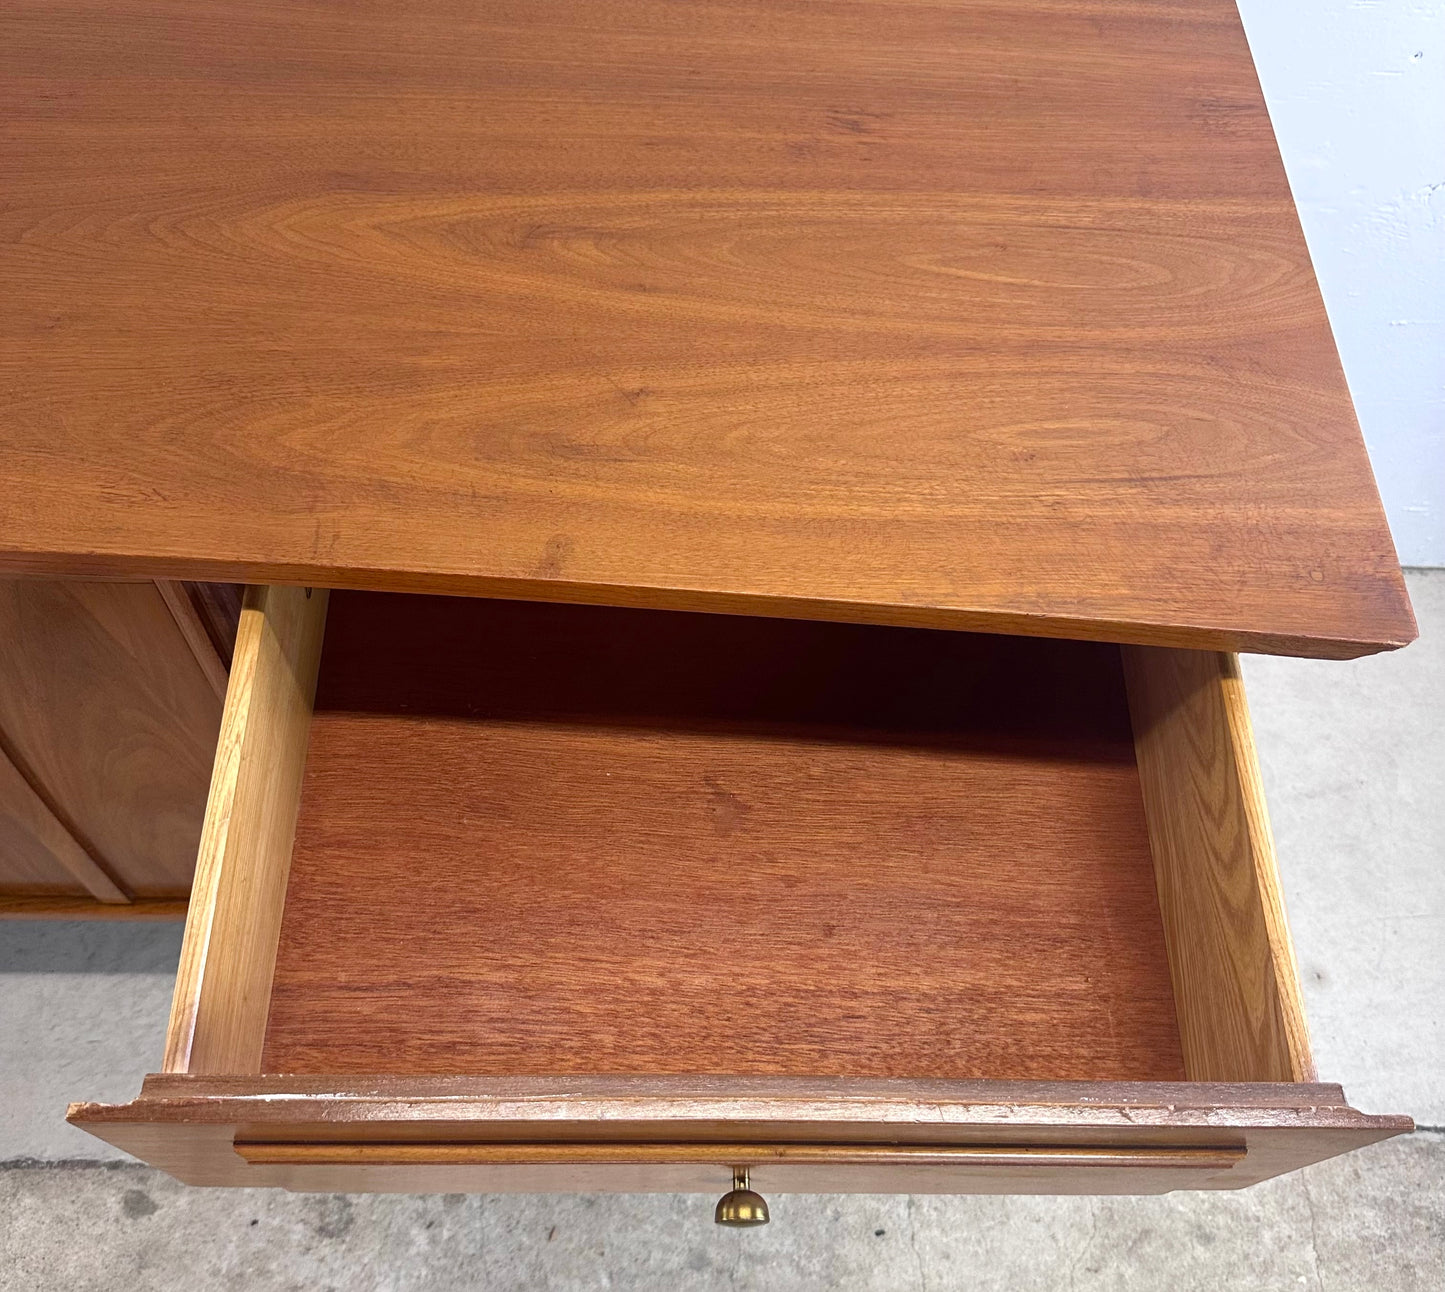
(567, 897)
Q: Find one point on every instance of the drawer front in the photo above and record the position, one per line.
(1068, 972)
(669, 1133)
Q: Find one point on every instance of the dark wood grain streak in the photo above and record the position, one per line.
(219, 607)
(547, 839)
(989, 316)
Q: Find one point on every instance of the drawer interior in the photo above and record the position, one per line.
(544, 839)
(496, 895)
(521, 840)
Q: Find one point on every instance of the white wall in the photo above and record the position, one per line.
(1356, 90)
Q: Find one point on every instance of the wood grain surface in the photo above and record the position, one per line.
(195, 628)
(219, 608)
(188, 1126)
(993, 315)
(561, 839)
(223, 983)
(1236, 984)
(514, 1153)
(38, 855)
(109, 719)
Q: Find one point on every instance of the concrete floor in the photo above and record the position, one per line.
(1375, 1220)
(1354, 763)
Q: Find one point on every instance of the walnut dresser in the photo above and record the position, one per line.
(747, 511)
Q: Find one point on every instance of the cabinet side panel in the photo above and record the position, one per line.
(1233, 969)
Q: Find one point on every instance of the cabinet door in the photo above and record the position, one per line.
(109, 710)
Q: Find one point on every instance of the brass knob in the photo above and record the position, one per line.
(740, 1206)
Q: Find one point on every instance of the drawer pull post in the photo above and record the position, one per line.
(740, 1207)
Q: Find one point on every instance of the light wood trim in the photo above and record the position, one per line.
(1236, 985)
(23, 800)
(193, 629)
(1289, 994)
(218, 1017)
(43, 906)
(259, 1152)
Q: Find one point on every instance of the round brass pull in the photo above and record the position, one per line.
(740, 1206)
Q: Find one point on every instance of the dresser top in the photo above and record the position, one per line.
(989, 315)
